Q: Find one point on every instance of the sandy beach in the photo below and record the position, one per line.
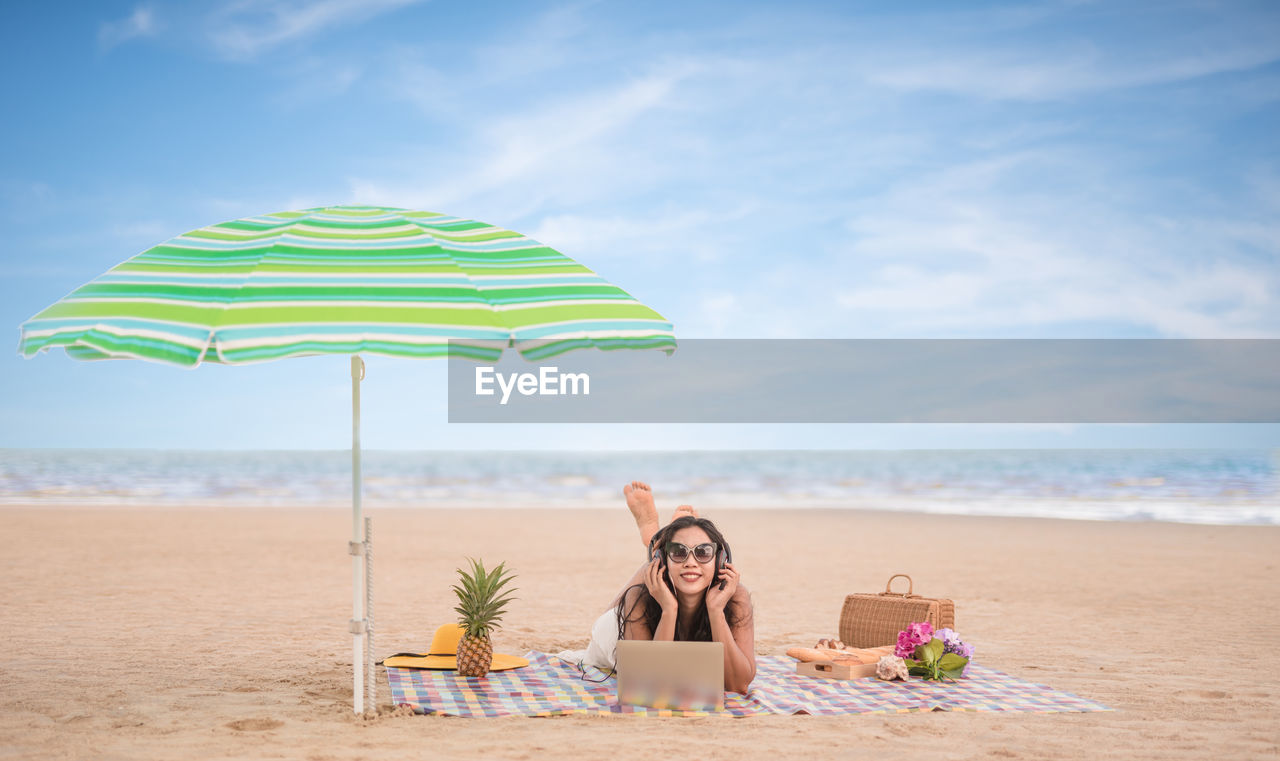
(200, 633)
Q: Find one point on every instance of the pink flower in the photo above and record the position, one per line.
(905, 648)
(918, 633)
(921, 632)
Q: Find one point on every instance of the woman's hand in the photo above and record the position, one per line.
(717, 598)
(830, 644)
(658, 588)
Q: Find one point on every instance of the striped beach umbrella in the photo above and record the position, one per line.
(345, 280)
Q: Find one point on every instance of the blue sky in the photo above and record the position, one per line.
(1057, 169)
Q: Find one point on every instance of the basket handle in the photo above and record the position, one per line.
(910, 585)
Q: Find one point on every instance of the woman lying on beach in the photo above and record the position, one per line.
(677, 595)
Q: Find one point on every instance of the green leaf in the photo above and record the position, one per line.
(483, 595)
(930, 651)
(952, 662)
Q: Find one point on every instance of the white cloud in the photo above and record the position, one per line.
(313, 80)
(140, 23)
(698, 232)
(1061, 55)
(1026, 75)
(976, 249)
(981, 249)
(247, 28)
(517, 159)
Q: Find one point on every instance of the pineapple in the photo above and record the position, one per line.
(479, 610)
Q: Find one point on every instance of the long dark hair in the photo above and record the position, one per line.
(644, 608)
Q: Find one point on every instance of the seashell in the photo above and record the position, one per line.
(891, 667)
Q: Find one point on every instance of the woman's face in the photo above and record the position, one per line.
(690, 577)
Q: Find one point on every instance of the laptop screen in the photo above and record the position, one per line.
(678, 676)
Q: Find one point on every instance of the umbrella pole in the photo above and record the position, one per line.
(356, 548)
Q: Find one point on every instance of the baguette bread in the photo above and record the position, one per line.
(810, 654)
(847, 657)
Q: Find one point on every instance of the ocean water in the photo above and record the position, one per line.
(1193, 486)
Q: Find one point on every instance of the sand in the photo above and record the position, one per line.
(199, 633)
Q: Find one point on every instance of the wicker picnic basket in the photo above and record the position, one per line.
(874, 620)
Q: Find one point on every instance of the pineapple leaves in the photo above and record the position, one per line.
(482, 597)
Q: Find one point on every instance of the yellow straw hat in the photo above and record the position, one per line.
(444, 654)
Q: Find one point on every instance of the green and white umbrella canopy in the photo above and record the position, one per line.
(344, 280)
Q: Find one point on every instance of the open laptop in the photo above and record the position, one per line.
(679, 676)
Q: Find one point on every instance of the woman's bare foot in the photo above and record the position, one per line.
(640, 503)
(684, 510)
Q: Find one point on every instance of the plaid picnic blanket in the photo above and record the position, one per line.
(551, 687)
